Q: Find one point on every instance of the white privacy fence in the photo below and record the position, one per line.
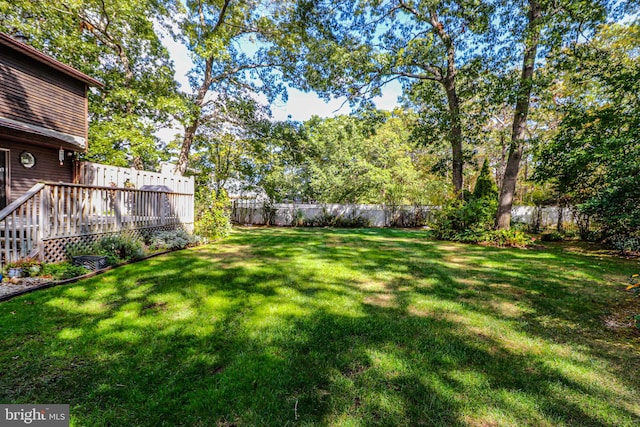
(254, 212)
(112, 176)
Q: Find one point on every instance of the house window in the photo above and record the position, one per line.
(27, 159)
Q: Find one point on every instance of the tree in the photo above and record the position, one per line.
(547, 23)
(221, 35)
(352, 49)
(368, 157)
(115, 42)
(485, 187)
(594, 158)
(508, 188)
(224, 147)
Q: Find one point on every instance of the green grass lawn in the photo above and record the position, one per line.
(334, 327)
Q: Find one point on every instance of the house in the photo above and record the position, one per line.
(48, 199)
(43, 118)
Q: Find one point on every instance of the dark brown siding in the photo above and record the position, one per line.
(47, 167)
(38, 95)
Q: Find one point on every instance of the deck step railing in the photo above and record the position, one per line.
(20, 230)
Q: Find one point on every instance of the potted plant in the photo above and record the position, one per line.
(24, 268)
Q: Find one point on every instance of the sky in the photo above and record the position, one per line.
(300, 106)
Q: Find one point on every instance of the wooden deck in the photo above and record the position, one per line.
(51, 215)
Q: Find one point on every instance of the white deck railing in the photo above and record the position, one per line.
(56, 210)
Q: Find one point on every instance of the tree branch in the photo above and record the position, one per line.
(223, 12)
(434, 78)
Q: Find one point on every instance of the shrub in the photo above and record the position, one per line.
(64, 270)
(214, 220)
(509, 238)
(269, 212)
(170, 240)
(553, 236)
(327, 219)
(416, 217)
(458, 216)
(485, 186)
(625, 243)
(502, 238)
(118, 248)
(298, 218)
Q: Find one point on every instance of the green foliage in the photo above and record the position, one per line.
(485, 186)
(472, 220)
(298, 218)
(228, 146)
(328, 219)
(417, 217)
(229, 45)
(502, 238)
(594, 159)
(118, 248)
(117, 43)
(553, 236)
(459, 216)
(508, 238)
(63, 270)
(170, 240)
(462, 219)
(626, 242)
(369, 157)
(269, 212)
(213, 214)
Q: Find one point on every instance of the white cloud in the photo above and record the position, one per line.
(301, 106)
(181, 59)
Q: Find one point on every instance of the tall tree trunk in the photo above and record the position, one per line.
(449, 83)
(560, 223)
(447, 78)
(187, 142)
(194, 123)
(503, 159)
(508, 188)
(455, 134)
(199, 102)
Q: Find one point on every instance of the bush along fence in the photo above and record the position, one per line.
(258, 212)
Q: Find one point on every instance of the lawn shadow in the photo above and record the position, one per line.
(322, 327)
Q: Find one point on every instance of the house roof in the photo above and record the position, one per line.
(16, 129)
(33, 53)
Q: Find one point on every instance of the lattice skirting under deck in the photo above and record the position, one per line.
(54, 249)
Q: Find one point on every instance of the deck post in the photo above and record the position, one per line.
(43, 219)
(118, 208)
